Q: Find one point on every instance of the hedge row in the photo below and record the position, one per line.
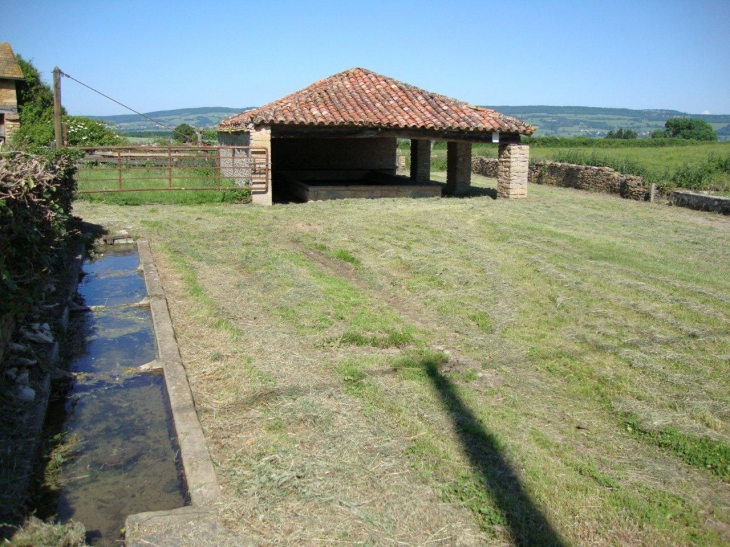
(36, 192)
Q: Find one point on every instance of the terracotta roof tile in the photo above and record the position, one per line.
(363, 98)
(9, 67)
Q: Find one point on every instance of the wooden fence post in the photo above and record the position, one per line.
(57, 125)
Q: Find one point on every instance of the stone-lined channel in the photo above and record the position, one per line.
(126, 458)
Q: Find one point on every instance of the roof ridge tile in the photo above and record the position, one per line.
(361, 97)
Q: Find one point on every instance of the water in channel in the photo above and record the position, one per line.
(122, 457)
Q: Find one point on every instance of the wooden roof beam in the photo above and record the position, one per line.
(330, 132)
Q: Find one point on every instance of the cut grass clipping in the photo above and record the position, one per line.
(565, 318)
(698, 451)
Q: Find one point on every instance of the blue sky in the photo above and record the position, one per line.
(160, 55)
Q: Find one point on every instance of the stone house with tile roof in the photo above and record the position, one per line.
(338, 138)
(10, 73)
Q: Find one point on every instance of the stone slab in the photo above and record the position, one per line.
(193, 525)
(197, 463)
(701, 202)
(322, 193)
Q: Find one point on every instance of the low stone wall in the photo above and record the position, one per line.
(583, 177)
(487, 167)
(701, 202)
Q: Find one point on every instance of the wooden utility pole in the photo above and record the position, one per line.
(57, 126)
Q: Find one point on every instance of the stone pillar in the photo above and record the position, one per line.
(514, 159)
(420, 160)
(234, 165)
(8, 109)
(458, 168)
(12, 122)
(261, 138)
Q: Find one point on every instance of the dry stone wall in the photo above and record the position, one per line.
(487, 167)
(701, 202)
(583, 177)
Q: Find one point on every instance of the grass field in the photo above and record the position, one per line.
(138, 141)
(659, 157)
(552, 371)
(99, 178)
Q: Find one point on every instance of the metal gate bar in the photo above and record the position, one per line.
(238, 166)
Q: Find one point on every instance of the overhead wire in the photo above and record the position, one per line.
(156, 122)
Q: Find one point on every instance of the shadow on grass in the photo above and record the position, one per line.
(519, 513)
(477, 192)
(471, 192)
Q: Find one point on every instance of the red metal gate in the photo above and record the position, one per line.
(155, 168)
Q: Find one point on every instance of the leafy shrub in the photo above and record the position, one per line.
(83, 131)
(36, 192)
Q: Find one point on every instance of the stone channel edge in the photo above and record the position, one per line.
(197, 464)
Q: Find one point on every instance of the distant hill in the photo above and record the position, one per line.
(202, 118)
(563, 121)
(572, 121)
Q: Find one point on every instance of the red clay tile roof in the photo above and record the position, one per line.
(9, 67)
(359, 97)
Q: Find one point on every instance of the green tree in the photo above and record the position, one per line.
(622, 133)
(35, 108)
(185, 134)
(690, 128)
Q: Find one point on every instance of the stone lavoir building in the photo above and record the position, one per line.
(337, 138)
(10, 73)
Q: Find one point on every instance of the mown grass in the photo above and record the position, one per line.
(698, 451)
(547, 371)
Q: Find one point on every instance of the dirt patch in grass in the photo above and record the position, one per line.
(521, 334)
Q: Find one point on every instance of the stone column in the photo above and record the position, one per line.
(514, 159)
(458, 168)
(420, 160)
(261, 138)
(9, 109)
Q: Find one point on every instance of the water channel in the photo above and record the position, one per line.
(125, 459)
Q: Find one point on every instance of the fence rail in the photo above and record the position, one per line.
(164, 168)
